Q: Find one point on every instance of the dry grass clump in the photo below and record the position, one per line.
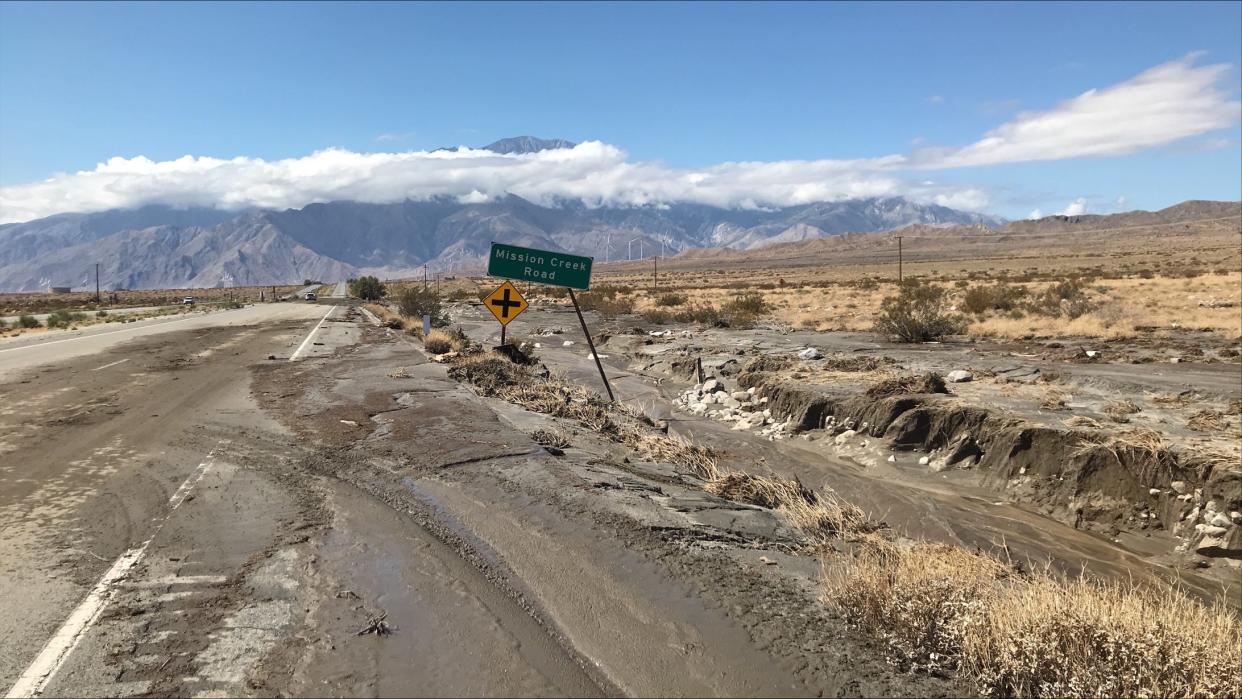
(821, 516)
(1208, 421)
(943, 608)
(919, 599)
(1183, 398)
(1053, 400)
(550, 438)
(1083, 422)
(927, 383)
(1139, 444)
(1044, 637)
(442, 342)
(1121, 408)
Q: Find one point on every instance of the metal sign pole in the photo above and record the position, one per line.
(591, 344)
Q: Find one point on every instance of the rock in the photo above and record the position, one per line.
(924, 460)
(567, 343)
(810, 353)
(731, 402)
(1219, 520)
(698, 409)
(1154, 491)
(1236, 516)
(892, 458)
(1175, 360)
(538, 345)
(351, 423)
(1091, 354)
(712, 385)
(844, 437)
(1179, 487)
(959, 376)
(1214, 531)
(751, 390)
(964, 448)
(740, 396)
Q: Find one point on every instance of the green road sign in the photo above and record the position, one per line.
(540, 266)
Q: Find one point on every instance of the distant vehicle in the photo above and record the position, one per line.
(187, 301)
(311, 296)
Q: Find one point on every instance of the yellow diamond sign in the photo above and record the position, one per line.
(505, 303)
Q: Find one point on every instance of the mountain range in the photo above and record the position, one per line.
(163, 247)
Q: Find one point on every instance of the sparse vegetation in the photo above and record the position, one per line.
(917, 314)
(995, 297)
(367, 288)
(941, 608)
(442, 342)
(415, 302)
(821, 516)
(63, 319)
(670, 299)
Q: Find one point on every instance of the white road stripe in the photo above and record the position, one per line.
(111, 332)
(36, 677)
(119, 361)
(311, 335)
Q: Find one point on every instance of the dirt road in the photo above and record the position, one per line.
(287, 500)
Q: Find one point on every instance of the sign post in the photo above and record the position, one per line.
(505, 303)
(544, 267)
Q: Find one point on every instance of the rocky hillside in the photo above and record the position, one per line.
(161, 247)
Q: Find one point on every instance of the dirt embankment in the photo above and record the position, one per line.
(1109, 482)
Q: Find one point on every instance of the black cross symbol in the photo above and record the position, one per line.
(505, 304)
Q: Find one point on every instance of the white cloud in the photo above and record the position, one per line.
(1034, 215)
(1161, 105)
(390, 137)
(1120, 204)
(1169, 102)
(935, 99)
(594, 172)
(1078, 207)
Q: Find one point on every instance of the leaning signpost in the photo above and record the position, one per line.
(540, 267)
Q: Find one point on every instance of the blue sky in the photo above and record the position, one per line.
(684, 86)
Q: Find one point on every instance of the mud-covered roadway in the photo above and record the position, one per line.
(298, 504)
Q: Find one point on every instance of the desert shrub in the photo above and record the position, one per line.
(657, 316)
(917, 314)
(670, 299)
(460, 295)
(231, 304)
(63, 319)
(101, 313)
(606, 301)
(1066, 298)
(368, 289)
(994, 297)
(705, 314)
(750, 303)
(416, 302)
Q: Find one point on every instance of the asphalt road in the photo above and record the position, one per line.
(340, 292)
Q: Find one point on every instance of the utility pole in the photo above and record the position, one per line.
(655, 272)
(96, 282)
(424, 277)
(899, 261)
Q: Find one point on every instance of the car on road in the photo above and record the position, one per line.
(312, 296)
(187, 301)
